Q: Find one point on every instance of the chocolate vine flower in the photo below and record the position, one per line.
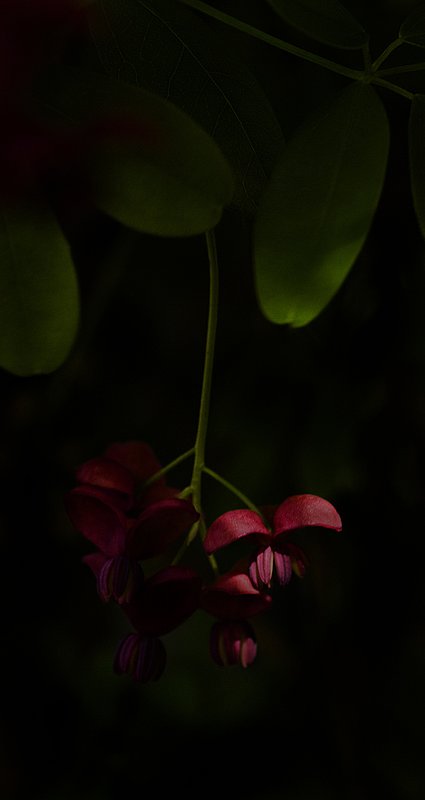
(165, 601)
(232, 598)
(126, 523)
(274, 554)
(142, 657)
(233, 643)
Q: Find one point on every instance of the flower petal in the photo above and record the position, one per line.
(158, 526)
(233, 525)
(299, 559)
(233, 643)
(107, 474)
(120, 578)
(282, 568)
(97, 519)
(232, 596)
(167, 599)
(137, 457)
(260, 568)
(143, 658)
(95, 561)
(305, 510)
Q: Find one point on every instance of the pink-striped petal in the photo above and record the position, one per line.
(142, 657)
(233, 643)
(261, 568)
(304, 511)
(97, 519)
(282, 568)
(232, 596)
(158, 526)
(299, 559)
(234, 525)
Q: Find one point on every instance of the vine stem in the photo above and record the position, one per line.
(393, 88)
(204, 407)
(168, 467)
(402, 69)
(231, 488)
(386, 53)
(306, 55)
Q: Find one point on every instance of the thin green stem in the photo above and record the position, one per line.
(231, 488)
(189, 538)
(199, 525)
(393, 88)
(386, 53)
(403, 68)
(299, 52)
(207, 376)
(168, 467)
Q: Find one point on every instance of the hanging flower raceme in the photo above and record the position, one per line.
(273, 555)
(126, 521)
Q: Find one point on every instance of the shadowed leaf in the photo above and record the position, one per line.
(318, 207)
(417, 157)
(152, 167)
(168, 49)
(38, 291)
(327, 21)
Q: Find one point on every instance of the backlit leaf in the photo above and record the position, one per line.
(168, 49)
(412, 29)
(325, 20)
(38, 292)
(152, 167)
(417, 157)
(318, 207)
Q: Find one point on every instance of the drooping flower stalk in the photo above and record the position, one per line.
(204, 406)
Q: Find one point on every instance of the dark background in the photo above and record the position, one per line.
(333, 706)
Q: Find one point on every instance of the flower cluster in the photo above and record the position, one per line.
(129, 523)
(125, 508)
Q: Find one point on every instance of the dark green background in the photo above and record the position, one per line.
(333, 707)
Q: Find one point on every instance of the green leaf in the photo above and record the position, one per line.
(169, 50)
(39, 304)
(153, 168)
(316, 212)
(417, 157)
(327, 21)
(412, 29)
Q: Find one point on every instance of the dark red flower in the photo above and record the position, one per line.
(126, 523)
(232, 596)
(142, 657)
(165, 601)
(273, 554)
(233, 643)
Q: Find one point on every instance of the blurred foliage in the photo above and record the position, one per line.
(333, 706)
